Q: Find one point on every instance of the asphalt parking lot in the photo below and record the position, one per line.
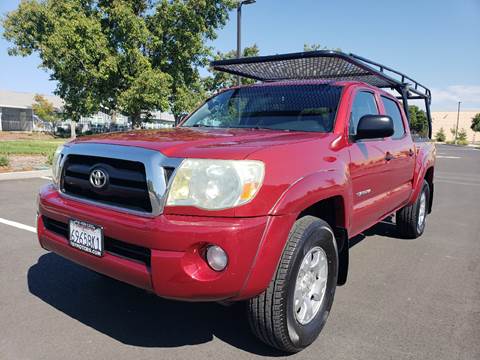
(405, 299)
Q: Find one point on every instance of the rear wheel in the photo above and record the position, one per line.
(411, 219)
(290, 314)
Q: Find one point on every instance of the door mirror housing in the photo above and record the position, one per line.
(374, 127)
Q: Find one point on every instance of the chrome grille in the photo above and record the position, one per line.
(137, 177)
(127, 185)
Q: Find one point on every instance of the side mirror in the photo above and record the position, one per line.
(374, 127)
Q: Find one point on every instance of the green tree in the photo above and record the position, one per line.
(316, 47)
(180, 29)
(440, 135)
(124, 56)
(220, 80)
(44, 109)
(418, 120)
(475, 124)
(462, 136)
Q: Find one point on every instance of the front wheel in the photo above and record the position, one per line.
(291, 313)
(411, 219)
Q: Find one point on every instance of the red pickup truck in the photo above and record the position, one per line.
(255, 195)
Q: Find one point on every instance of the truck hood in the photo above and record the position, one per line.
(203, 143)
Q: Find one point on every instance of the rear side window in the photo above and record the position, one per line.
(392, 110)
(364, 104)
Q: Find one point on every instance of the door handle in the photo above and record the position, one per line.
(411, 152)
(388, 156)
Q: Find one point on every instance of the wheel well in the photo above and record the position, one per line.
(429, 180)
(332, 210)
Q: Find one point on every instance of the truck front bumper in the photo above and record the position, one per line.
(171, 262)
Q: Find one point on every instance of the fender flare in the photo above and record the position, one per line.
(299, 196)
(423, 164)
(311, 189)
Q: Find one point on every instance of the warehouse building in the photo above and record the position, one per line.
(16, 110)
(448, 120)
(16, 115)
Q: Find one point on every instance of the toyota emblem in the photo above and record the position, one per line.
(98, 178)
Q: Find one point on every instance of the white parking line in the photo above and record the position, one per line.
(448, 157)
(21, 175)
(18, 225)
(456, 182)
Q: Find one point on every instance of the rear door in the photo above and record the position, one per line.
(401, 155)
(369, 170)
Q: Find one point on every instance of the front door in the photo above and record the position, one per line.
(369, 170)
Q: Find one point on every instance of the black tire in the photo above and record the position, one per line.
(407, 218)
(271, 314)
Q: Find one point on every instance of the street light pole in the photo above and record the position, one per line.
(239, 35)
(458, 119)
(239, 30)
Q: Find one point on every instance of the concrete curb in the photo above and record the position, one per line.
(19, 175)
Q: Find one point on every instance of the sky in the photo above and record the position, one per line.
(436, 42)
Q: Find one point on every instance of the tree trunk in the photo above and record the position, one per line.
(136, 120)
(53, 128)
(73, 125)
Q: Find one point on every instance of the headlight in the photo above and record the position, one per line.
(215, 184)
(56, 165)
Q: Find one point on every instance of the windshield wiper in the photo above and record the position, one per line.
(200, 125)
(258, 128)
(238, 127)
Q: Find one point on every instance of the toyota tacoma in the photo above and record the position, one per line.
(255, 195)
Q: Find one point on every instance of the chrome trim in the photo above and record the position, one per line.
(153, 161)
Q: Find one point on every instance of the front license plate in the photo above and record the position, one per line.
(86, 237)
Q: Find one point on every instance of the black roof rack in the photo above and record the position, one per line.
(327, 65)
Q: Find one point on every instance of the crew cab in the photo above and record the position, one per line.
(255, 195)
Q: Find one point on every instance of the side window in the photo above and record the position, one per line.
(364, 104)
(392, 110)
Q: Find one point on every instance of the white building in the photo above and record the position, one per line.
(16, 115)
(16, 110)
(448, 120)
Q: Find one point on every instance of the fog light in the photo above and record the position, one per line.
(217, 258)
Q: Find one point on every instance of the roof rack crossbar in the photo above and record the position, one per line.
(425, 93)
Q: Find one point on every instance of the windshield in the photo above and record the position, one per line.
(307, 107)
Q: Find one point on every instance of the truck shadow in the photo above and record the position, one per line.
(133, 316)
(386, 228)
